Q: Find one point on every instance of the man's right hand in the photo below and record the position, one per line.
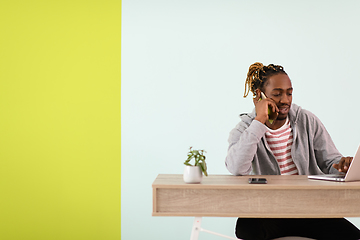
(261, 108)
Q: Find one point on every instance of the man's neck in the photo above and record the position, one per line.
(276, 124)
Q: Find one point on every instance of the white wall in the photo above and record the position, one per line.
(184, 64)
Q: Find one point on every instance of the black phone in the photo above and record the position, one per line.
(257, 180)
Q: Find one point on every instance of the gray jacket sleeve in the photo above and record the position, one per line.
(243, 140)
(326, 153)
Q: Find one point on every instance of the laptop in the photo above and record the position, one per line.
(353, 173)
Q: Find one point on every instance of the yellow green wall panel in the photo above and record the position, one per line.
(60, 119)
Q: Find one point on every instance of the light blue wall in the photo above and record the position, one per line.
(184, 64)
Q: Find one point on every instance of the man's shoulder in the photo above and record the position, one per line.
(300, 114)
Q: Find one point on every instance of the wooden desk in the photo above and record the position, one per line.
(233, 196)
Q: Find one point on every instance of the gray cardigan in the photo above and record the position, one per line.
(313, 151)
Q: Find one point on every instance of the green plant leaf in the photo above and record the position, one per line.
(204, 168)
(199, 159)
(187, 161)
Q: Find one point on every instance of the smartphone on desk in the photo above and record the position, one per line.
(257, 180)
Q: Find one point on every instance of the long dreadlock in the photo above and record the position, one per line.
(258, 74)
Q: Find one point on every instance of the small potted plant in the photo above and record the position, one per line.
(193, 173)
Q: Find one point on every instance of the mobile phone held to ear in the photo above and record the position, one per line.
(257, 180)
(272, 115)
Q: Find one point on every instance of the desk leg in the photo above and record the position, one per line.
(197, 228)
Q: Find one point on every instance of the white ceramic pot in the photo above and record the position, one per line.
(192, 174)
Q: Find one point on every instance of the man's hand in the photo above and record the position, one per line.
(344, 164)
(261, 108)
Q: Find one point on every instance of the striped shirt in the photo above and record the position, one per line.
(280, 141)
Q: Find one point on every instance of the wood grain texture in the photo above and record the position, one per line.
(232, 196)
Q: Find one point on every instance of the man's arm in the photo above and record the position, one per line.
(325, 150)
(243, 142)
(244, 138)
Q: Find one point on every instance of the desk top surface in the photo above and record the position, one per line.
(241, 182)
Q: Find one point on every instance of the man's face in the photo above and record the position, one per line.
(278, 87)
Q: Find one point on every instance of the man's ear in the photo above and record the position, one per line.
(257, 92)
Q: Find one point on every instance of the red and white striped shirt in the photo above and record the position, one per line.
(280, 141)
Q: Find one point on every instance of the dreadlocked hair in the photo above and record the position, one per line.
(258, 74)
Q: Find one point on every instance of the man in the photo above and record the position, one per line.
(279, 137)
